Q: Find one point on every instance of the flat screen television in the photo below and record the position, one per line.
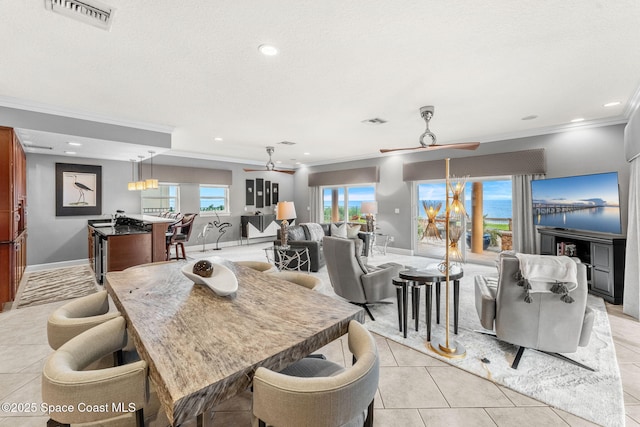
(584, 202)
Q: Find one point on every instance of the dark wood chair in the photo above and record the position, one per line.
(179, 234)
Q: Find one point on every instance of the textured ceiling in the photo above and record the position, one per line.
(195, 66)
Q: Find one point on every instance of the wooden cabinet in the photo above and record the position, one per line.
(604, 255)
(13, 202)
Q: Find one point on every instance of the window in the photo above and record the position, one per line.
(214, 199)
(164, 198)
(345, 203)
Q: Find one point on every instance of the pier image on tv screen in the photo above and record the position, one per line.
(585, 202)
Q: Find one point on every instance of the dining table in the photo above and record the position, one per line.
(203, 348)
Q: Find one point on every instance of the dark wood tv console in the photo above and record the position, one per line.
(603, 253)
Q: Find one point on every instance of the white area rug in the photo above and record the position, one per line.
(595, 396)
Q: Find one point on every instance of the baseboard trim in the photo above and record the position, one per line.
(60, 264)
(400, 251)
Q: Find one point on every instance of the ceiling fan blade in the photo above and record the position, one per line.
(389, 150)
(461, 146)
(290, 172)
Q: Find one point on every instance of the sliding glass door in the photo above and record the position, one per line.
(486, 228)
(341, 203)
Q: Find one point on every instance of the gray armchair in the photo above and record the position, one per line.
(352, 279)
(550, 322)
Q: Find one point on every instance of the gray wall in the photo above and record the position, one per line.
(57, 239)
(575, 152)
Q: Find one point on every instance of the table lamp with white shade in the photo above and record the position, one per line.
(370, 209)
(285, 211)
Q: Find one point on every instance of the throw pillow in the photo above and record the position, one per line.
(339, 231)
(352, 231)
(313, 231)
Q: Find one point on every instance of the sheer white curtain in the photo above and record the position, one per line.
(315, 204)
(631, 298)
(525, 239)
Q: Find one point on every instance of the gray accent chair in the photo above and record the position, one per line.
(67, 382)
(547, 324)
(352, 278)
(316, 392)
(77, 316)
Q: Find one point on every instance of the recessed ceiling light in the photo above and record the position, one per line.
(531, 117)
(75, 144)
(69, 152)
(217, 138)
(612, 104)
(268, 50)
(579, 119)
(278, 161)
(306, 154)
(297, 163)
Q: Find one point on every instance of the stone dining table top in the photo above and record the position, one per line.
(203, 348)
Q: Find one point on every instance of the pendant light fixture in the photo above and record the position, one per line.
(131, 186)
(140, 184)
(151, 182)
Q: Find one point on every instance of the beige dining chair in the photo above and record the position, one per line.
(302, 279)
(315, 392)
(66, 383)
(77, 316)
(264, 267)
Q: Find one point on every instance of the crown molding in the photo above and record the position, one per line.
(38, 107)
(633, 104)
(193, 155)
(568, 127)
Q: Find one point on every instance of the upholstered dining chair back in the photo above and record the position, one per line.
(302, 279)
(66, 383)
(261, 266)
(313, 401)
(77, 316)
(546, 323)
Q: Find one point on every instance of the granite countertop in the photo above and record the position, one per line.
(120, 230)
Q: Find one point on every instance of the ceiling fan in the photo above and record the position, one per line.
(270, 166)
(427, 113)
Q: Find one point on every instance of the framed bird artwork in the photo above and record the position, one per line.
(78, 189)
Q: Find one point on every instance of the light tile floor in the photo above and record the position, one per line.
(415, 389)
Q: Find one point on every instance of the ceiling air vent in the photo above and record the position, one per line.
(287, 143)
(87, 11)
(374, 121)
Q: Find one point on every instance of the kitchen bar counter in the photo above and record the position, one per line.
(130, 240)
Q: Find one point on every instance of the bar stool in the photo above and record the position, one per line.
(402, 294)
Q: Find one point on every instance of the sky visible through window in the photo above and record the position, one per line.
(496, 197)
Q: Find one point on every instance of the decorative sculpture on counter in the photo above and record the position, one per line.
(220, 226)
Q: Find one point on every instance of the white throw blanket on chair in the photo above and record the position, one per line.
(544, 271)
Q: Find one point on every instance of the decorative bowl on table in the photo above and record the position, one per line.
(222, 281)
